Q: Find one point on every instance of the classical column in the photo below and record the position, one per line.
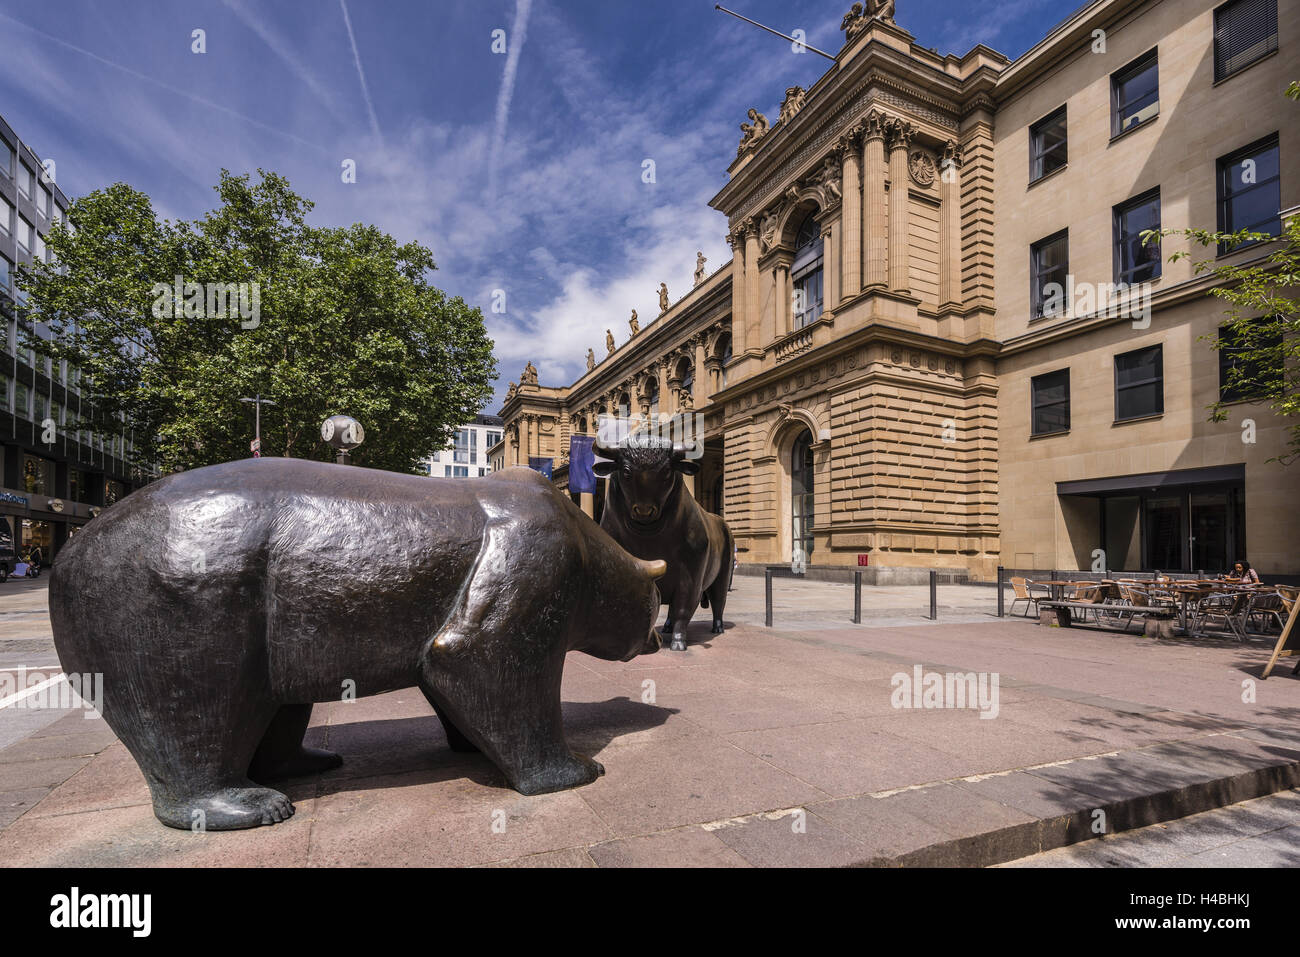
(525, 438)
(950, 224)
(701, 390)
(666, 402)
(874, 207)
(899, 234)
(739, 288)
(851, 220)
(781, 277)
(830, 254)
(741, 339)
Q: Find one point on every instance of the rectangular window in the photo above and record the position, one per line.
(5, 268)
(6, 217)
(460, 471)
(45, 203)
(1135, 93)
(6, 160)
(1250, 190)
(6, 391)
(1249, 362)
(1139, 383)
(24, 235)
(1047, 150)
(1049, 261)
(22, 401)
(465, 445)
(26, 180)
(1051, 402)
(1244, 31)
(1136, 261)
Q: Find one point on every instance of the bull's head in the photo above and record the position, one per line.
(645, 473)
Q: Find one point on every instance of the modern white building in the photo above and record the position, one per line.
(468, 457)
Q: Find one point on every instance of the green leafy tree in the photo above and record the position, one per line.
(332, 320)
(1262, 328)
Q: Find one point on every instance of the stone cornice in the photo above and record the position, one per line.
(783, 157)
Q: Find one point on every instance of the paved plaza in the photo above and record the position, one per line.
(803, 744)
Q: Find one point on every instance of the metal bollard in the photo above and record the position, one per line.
(934, 596)
(857, 598)
(768, 589)
(1001, 599)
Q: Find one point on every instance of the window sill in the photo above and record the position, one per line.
(1245, 247)
(1047, 435)
(1140, 418)
(1133, 129)
(1047, 176)
(1242, 69)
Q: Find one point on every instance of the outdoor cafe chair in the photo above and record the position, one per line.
(1225, 608)
(1265, 608)
(1021, 586)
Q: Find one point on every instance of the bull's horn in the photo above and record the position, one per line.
(656, 568)
(604, 451)
(683, 448)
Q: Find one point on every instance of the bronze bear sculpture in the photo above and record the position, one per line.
(219, 604)
(651, 514)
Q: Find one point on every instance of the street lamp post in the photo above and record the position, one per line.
(257, 403)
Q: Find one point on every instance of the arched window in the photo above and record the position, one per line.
(652, 395)
(688, 377)
(801, 497)
(724, 353)
(806, 273)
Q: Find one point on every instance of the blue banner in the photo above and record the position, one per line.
(581, 459)
(540, 465)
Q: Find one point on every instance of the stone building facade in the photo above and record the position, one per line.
(862, 365)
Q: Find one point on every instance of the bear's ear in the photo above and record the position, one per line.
(603, 468)
(687, 466)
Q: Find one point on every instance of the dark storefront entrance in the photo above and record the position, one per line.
(1187, 520)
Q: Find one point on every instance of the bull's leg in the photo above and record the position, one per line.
(680, 618)
(510, 710)
(455, 737)
(717, 593)
(282, 753)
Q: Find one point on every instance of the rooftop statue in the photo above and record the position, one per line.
(591, 359)
(609, 342)
(793, 103)
(699, 267)
(663, 298)
(633, 324)
(753, 131)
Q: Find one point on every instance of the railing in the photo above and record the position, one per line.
(796, 343)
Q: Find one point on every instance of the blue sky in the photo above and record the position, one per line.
(522, 171)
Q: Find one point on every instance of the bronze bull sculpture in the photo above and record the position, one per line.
(651, 514)
(220, 604)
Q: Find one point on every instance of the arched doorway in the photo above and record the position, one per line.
(801, 497)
